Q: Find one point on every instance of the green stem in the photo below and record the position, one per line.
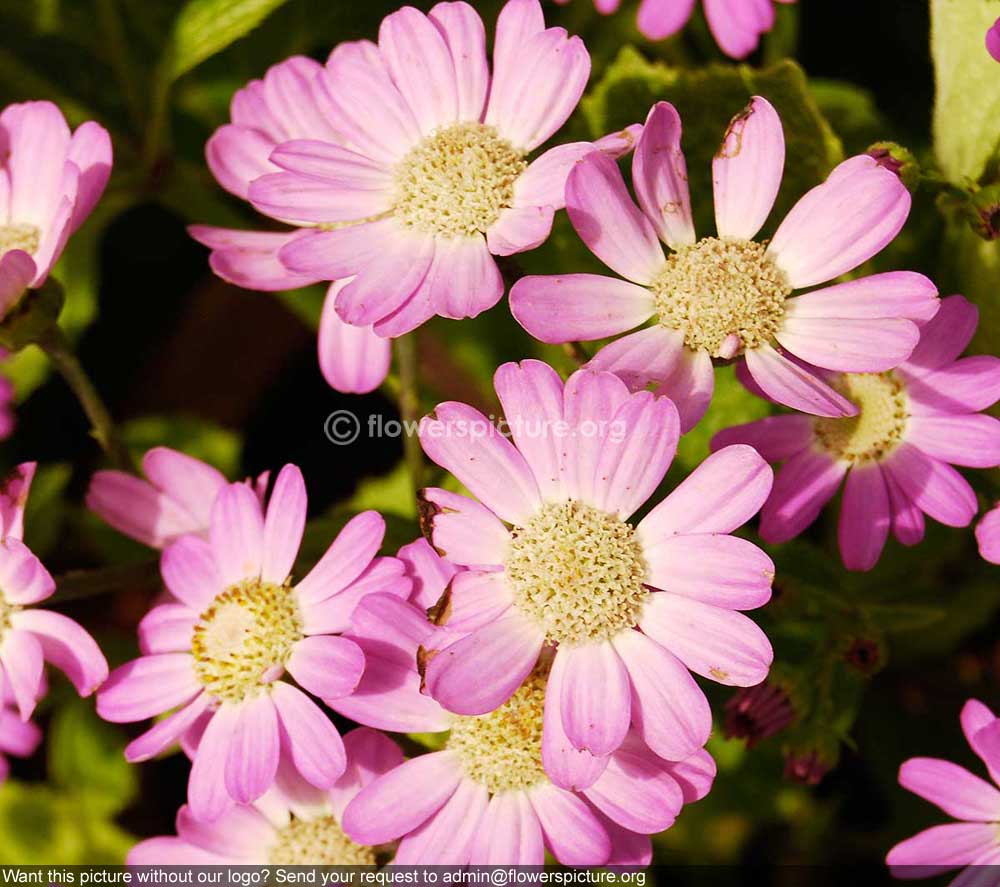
(409, 407)
(80, 584)
(55, 344)
(121, 58)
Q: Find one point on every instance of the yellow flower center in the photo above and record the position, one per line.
(242, 641)
(456, 181)
(26, 237)
(878, 427)
(317, 842)
(577, 571)
(725, 295)
(503, 749)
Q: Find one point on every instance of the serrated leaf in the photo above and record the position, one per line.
(967, 103)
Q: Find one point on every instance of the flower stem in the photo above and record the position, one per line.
(54, 343)
(409, 407)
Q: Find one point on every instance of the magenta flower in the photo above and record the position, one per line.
(293, 824)
(50, 180)
(174, 500)
(17, 738)
(913, 424)
(975, 839)
(988, 535)
(30, 637)
(728, 296)
(265, 113)
(430, 178)
(554, 563)
(737, 25)
(217, 655)
(993, 40)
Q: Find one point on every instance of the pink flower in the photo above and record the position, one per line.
(29, 637)
(217, 655)
(554, 563)
(294, 823)
(975, 840)
(176, 500)
(727, 296)
(265, 113)
(17, 738)
(737, 25)
(913, 424)
(993, 40)
(430, 178)
(988, 535)
(50, 180)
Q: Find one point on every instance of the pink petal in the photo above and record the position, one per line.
(746, 171)
(473, 282)
(841, 223)
(136, 508)
(594, 700)
(166, 732)
(67, 646)
(427, 570)
(694, 775)
(648, 355)
(849, 345)
(519, 228)
(578, 306)
(36, 142)
(384, 575)
(864, 517)
(907, 519)
(370, 754)
(346, 558)
(332, 164)
(17, 271)
(308, 737)
(659, 175)
(464, 531)
(463, 441)
(988, 536)
(936, 489)
(237, 155)
(477, 599)
(403, 799)
(968, 385)
(148, 686)
(721, 494)
(327, 666)
(208, 796)
(474, 675)
(446, 837)
(572, 832)
(890, 295)
(237, 534)
(18, 738)
(689, 385)
(737, 24)
(167, 850)
(186, 480)
(252, 761)
(283, 525)
(976, 717)
(14, 491)
(952, 788)
(720, 570)
(668, 708)
(282, 104)
(291, 196)
(518, 22)
(945, 336)
(509, 833)
(941, 848)
(463, 31)
(23, 578)
(793, 386)
(609, 222)
(971, 441)
(90, 150)
(243, 833)
(353, 359)
(423, 302)
(658, 20)
(543, 183)
(637, 792)
(22, 662)
(189, 572)
(776, 438)
(803, 485)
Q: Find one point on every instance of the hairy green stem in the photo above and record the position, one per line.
(409, 407)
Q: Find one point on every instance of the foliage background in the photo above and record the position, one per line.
(231, 376)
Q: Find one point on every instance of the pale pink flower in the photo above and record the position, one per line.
(988, 535)
(30, 637)
(993, 40)
(552, 561)
(294, 823)
(18, 738)
(217, 655)
(265, 113)
(895, 457)
(727, 296)
(175, 499)
(975, 839)
(737, 25)
(50, 181)
(429, 177)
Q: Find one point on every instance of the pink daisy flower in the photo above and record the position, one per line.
(988, 535)
(265, 113)
(975, 839)
(50, 180)
(430, 178)
(175, 499)
(895, 457)
(217, 655)
(294, 823)
(553, 561)
(17, 738)
(993, 40)
(30, 637)
(728, 296)
(736, 25)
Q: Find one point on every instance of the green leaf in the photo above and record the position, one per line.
(967, 104)
(197, 437)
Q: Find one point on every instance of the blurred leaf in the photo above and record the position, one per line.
(388, 494)
(46, 510)
(204, 440)
(904, 617)
(851, 111)
(967, 104)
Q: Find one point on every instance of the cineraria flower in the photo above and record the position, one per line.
(175, 500)
(988, 535)
(50, 180)
(553, 561)
(430, 176)
(913, 424)
(30, 637)
(486, 797)
(728, 296)
(17, 738)
(294, 823)
(218, 654)
(736, 25)
(265, 113)
(975, 840)
(993, 40)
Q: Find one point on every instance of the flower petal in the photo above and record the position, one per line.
(237, 534)
(849, 344)
(877, 296)
(776, 438)
(509, 833)
(637, 792)
(572, 832)
(446, 837)
(864, 517)
(464, 531)
(327, 666)
(346, 558)
(463, 31)
(594, 699)
(941, 848)
(22, 666)
(803, 485)
(641, 358)
(189, 572)
(659, 175)
(252, 760)
(790, 384)
(972, 441)
(148, 686)
(164, 733)
(954, 789)
(308, 737)
(67, 646)
(208, 796)
(936, 488)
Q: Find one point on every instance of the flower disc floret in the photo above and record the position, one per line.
(318, 841)
(244, 638)
(879, 426)
(19, 236)
(577, 571)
